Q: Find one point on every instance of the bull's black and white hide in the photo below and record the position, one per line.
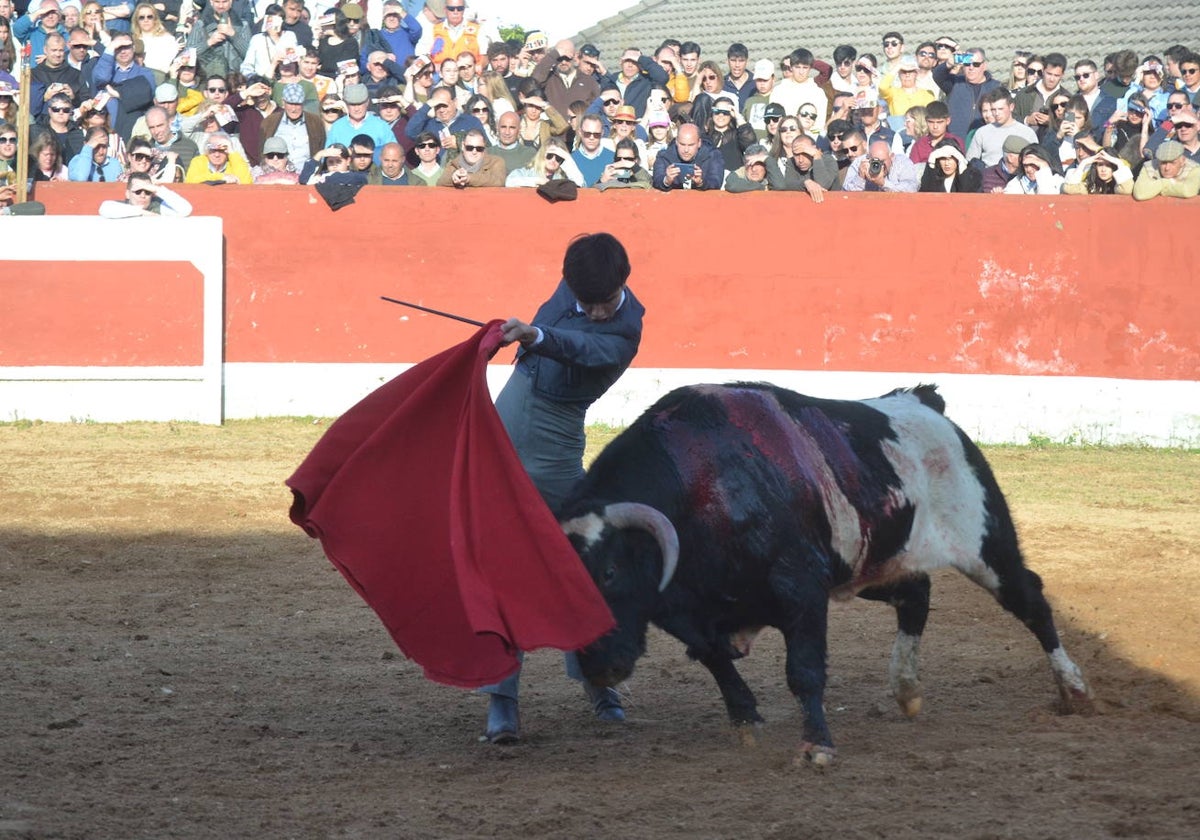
(727, 508)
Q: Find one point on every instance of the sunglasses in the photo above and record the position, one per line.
(892, 42)
(467, 148)
(563, 58)
(123, 47)
(789, 128)
(12, 139)
(862, 68)
(853, 149)
(482, 109)
(217, 90)
(1058, 106)
(427, 145)
(1081, 76)
(808, 115)
(1174, 106)
(926, 54)
(1189, 72)
(439, 106)
(611, 102)
(331, 110)
(774, 119)
(363, 154)
(141, 156)
(975, 64)
(591, 135)
(724, 111)
(1179, 124)
(1034, 69)
(556, 156)
(275, 155)
(627, 159)
(145, 17)
(1019, 64)
(142, 192)
(708, 77)
(79, 46)
(632, 122)
(59, 110)
(455, 8)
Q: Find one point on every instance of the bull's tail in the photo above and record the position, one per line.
(927, 394)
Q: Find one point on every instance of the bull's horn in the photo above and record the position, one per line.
(637, 515)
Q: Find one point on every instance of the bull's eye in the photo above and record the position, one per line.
(610, 574)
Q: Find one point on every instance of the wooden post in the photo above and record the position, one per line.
(23, 130)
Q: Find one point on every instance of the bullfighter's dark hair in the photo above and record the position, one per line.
(595, 267)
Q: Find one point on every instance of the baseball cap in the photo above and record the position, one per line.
(293, 94)
(764, 68)
(1014, 144)
(166, 92)
(657, 118)
(774, 109)
(1170, 150)
(355, 94)
(353, 11)
(590, 51)
(275, 144)
(908, 62)
(630, 55)
(536, 40)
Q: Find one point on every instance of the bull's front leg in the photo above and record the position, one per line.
(807, 609)
(739, 699)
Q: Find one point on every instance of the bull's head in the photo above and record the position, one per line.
(631, 551)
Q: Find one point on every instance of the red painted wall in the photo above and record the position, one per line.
(961, 284)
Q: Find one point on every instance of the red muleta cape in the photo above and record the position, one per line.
(420, 500)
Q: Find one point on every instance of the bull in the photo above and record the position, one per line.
(724, 509)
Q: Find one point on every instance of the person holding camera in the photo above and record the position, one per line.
(690, 163)
(626, 171)
(881, 171)
(964, 78)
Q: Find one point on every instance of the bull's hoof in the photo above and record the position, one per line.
(1073, 701)
(819, 756)
(910, 704)
(747, 734)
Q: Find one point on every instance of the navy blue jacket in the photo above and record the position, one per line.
(710, 161)
(578, 359)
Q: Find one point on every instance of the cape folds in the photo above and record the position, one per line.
(421, 502)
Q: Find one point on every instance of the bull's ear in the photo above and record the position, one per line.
(637, 515)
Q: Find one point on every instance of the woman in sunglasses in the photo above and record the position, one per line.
(781, 145)
(158, 45)
(480, 108)
(705, 94)
(428, 170)
(552, 162)
(1123, 131)
(726, 131)
(58, 120)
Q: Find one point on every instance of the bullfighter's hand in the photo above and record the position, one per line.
(515, 329)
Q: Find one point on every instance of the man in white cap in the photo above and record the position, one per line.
(560, 78)
(399, 28)
(639, 74)
(166, 97)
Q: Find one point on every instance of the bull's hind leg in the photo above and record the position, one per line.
(910, 598)
(1019, 590)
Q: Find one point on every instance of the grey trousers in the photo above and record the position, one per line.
(549, 438)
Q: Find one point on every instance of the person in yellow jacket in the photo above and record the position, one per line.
(219, 164)
(453, 36)
(677, 81)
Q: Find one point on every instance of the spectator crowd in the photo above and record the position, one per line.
(419, 93)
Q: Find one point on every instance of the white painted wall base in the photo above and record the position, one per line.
(991, 409)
